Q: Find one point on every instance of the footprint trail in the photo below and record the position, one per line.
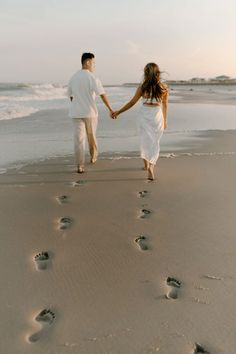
(45, 318)
(199, 349)
(174, 286)
(42, 260)
(143, 194)
(145, 213)
(141, 242)
(65, 223)
(62, 199)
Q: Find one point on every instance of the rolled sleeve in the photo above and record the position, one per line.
(98, 88)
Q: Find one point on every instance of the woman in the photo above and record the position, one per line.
(152, 115)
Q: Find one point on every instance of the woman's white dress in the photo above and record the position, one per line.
(151, 127)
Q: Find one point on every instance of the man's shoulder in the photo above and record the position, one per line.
(85, 74)
(91, 76)
(73, 76)
(81, 75)
(77, 73)
(94, 80)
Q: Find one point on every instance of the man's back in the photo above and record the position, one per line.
(84, 87)
(82, 90)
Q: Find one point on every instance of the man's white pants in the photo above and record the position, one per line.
(83, 127)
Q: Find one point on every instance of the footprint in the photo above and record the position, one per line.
(141, 242)
(78, 183)
(42, 260)
(62, 199)
(46, 318)
(65, 223)
(199, 349)
(142, 194)
(174, 285)
(145, 213)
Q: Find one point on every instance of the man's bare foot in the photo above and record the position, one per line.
(80, 169)
(151, 176)
(146, 165)
(93, 159)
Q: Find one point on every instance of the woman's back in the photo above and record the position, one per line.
(161, 90)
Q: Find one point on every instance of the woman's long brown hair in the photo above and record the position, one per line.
(152, 87)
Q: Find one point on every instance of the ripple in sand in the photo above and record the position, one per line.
(199, 301)
(213, 277)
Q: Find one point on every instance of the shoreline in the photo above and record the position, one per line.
(195, 143)
(49, 133)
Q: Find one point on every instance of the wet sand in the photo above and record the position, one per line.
(202, 94)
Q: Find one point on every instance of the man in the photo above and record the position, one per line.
(82, 90)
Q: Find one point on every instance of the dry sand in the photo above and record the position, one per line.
(107, 293)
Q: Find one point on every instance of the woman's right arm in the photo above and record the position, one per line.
(131, 103)
(164, 107)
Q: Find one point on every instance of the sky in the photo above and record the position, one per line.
(42, 40)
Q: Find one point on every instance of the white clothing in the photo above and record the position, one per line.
(83, 87)
(151, 127)
(83, 127)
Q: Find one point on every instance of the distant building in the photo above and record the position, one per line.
(222, 78)
(198, 80)
(218, 80)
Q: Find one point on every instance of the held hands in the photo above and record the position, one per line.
(114, 114)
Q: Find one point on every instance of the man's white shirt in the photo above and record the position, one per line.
(83, 87)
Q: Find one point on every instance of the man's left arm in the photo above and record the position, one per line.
(106, 102)
(99, 90)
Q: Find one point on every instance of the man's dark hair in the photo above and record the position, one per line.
(86, 56)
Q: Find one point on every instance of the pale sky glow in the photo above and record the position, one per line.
(42, 40)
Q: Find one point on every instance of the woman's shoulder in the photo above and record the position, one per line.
(165, 89)
(164, 86)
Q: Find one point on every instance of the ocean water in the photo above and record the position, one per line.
(21, 100)
(34, 123)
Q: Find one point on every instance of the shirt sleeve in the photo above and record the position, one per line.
(97, 87)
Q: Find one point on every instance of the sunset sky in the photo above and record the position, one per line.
(42, 41)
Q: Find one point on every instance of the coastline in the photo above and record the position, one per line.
(201, 95)
(176, 144)
(49, 133)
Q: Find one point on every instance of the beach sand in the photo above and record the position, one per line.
(202, 94)
(122, 272)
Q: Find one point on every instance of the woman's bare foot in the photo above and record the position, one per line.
(150, 169)
(146, 164)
